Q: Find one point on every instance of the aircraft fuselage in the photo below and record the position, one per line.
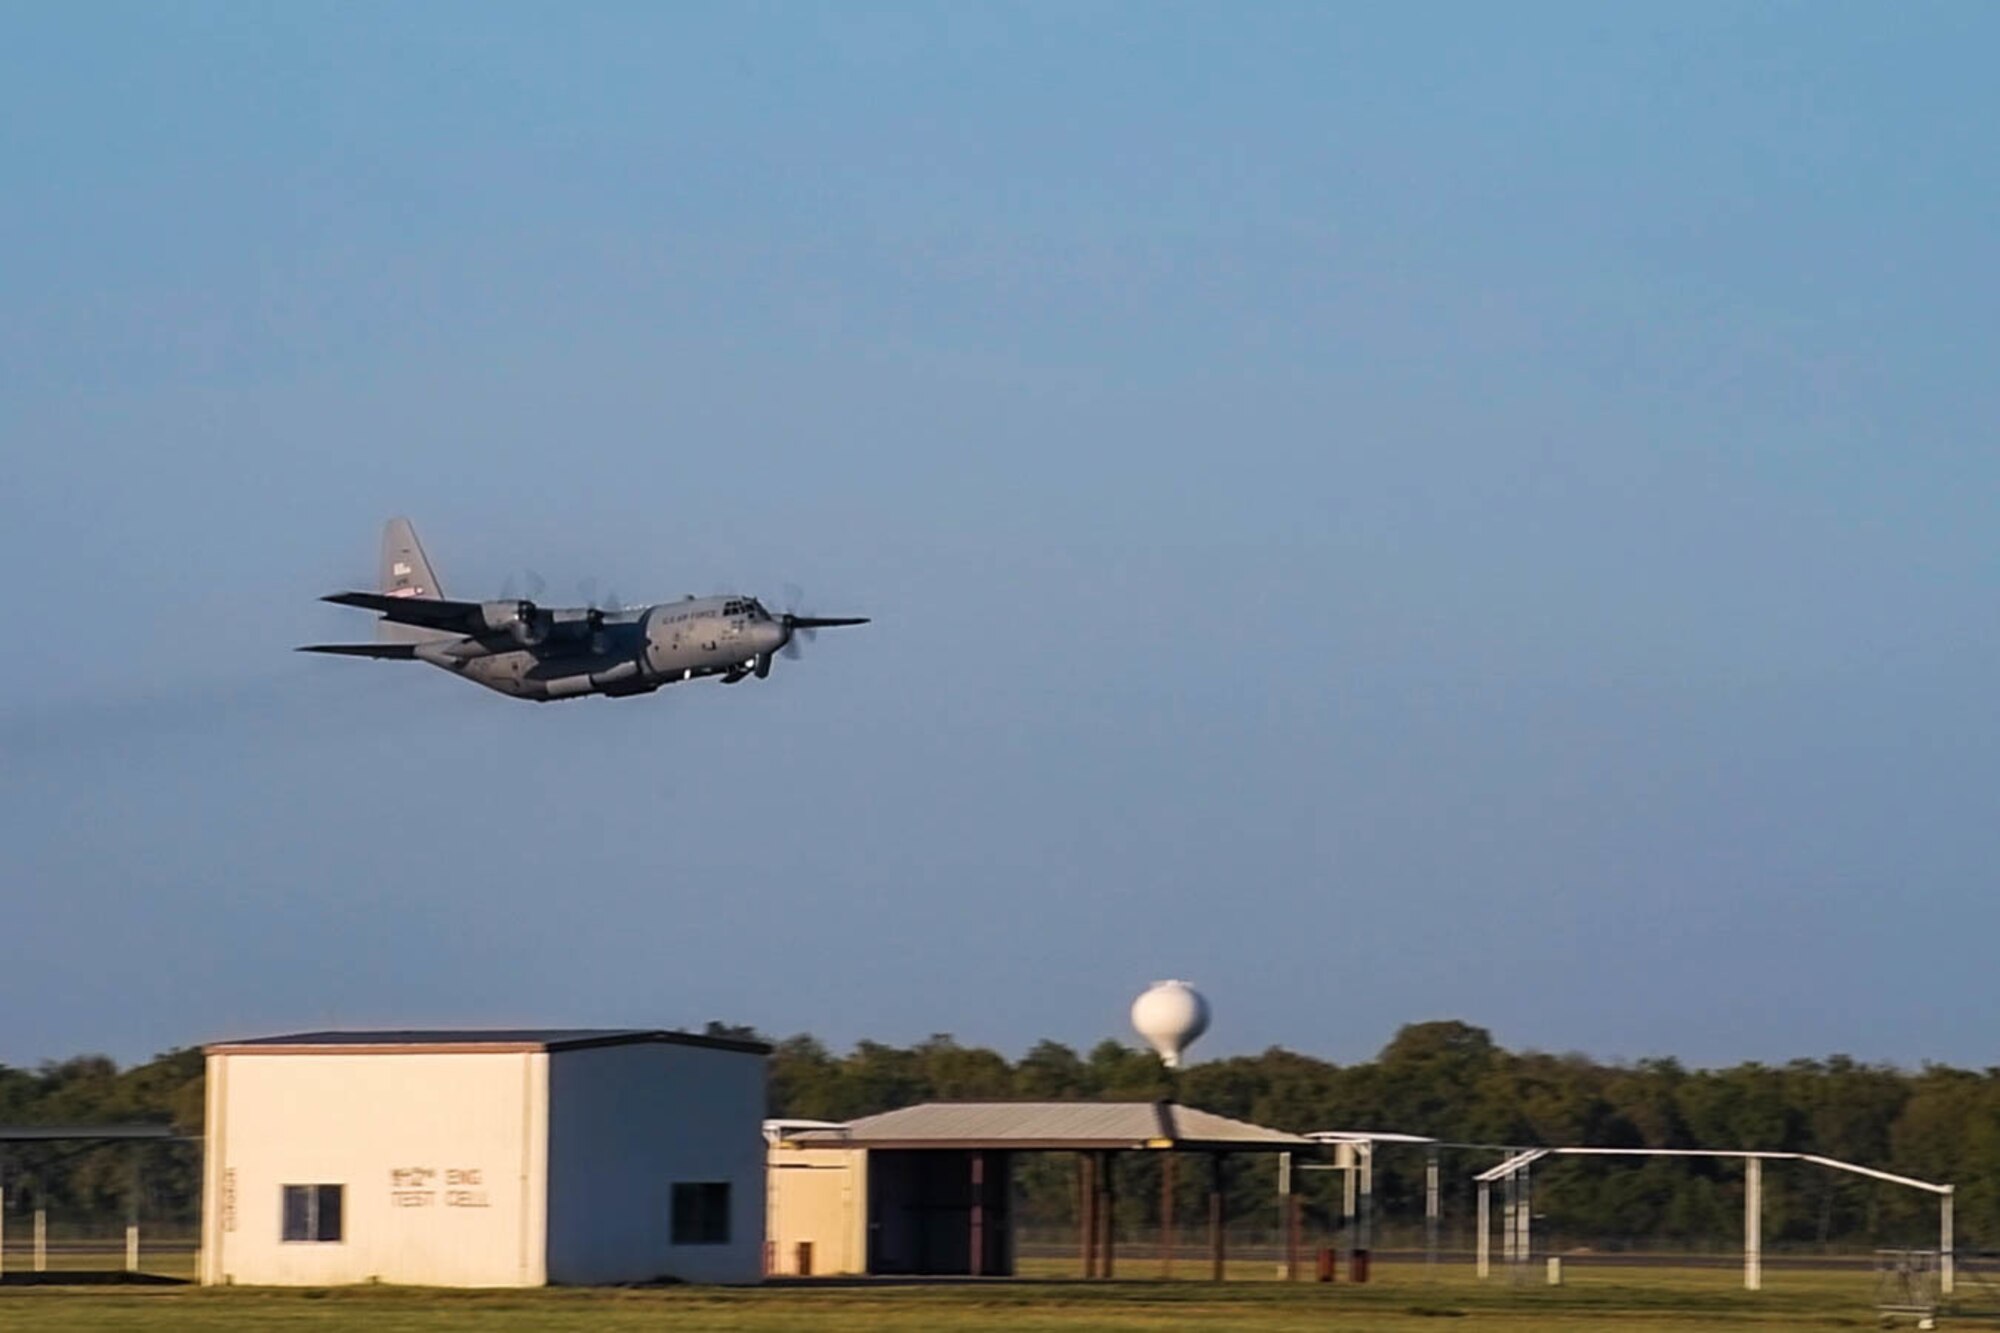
(634, 652)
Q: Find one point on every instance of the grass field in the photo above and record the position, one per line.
(1606, 1299)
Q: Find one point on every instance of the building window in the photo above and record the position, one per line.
(701, 1212)
(312, 1212)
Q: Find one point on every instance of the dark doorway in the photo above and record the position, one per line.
(927, 1209)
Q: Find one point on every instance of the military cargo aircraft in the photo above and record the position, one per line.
(542, 653)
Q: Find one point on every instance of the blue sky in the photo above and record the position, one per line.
(1386, 513)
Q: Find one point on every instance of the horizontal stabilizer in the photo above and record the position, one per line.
(427, 612)
(394, 652)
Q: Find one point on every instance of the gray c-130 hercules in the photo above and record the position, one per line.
(534, 652)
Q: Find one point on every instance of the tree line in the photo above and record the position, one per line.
(1447, 1080)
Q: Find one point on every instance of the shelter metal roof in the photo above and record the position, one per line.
(1365, 1136)
(77, 1133)
(408, 1041)
(1053, 1126)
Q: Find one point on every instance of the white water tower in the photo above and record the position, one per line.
(1170, 1016)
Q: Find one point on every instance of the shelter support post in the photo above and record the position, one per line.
(1108, 1213)
(1946, 1266)
(1167, 1213)
(1288, 1216)
(1086, 1211)
(1524, 1217)
(978, 1211)
(1350, 1200)
(1753, 1224)
(1431, 1213)
(1346, 1162)
(133, 1194)
(1217, 1218)
(1365, 1243)
(1483, 1246)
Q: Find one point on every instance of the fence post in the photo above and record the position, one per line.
(1431, 1214)
(1483, 1262)
(1287, 1219)
(1946, 1264)
(1753, 1224)
(41, 1240)
(132, 1248)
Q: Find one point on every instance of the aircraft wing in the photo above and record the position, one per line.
(394, 652)
(429, 612)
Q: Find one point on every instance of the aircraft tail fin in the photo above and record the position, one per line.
(406, 572)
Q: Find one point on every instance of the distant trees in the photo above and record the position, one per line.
(76, 1181)
(1450, 1080)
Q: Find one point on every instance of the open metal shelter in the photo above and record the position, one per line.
(939, 1179)
(1517, 1236)
(1354, 1157)
(137, 1134)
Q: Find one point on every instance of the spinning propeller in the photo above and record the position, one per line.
(807, 627)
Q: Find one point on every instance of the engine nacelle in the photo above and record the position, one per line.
(528, 623)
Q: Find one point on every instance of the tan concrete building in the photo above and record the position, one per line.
(815, 1212)
(484, 1159)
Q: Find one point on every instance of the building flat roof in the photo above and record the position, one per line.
(1052, 1127)
(431, 1041)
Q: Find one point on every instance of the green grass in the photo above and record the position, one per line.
(1602, 1299)
(103, 1257)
